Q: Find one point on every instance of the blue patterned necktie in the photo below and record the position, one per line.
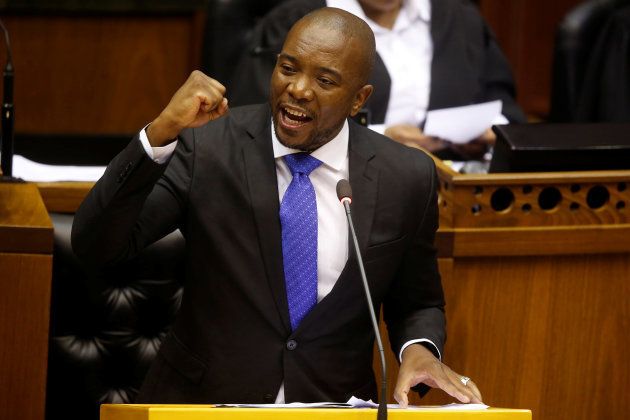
(298, 217)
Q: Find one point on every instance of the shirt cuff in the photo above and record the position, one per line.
(420, 340)
(157, 154)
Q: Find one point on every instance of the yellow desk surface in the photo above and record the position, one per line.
(207, 412)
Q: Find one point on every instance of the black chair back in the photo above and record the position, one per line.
(229, 27)
(578, 49)
(106, 327)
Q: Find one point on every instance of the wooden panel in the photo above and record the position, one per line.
(24, 309)
(564, 240)
(543, 178)
(535, 199)
(543, 333)
(24, 222)
(108, 74)
(63, 197)
(525, 30)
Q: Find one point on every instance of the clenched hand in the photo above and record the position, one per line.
(199, 100)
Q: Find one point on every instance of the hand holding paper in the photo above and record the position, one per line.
(464, 123)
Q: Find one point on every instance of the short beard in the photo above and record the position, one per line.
(317, 140)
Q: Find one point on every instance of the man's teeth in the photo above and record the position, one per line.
(298, 114)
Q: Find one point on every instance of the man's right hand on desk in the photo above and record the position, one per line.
(199, 100)
(419, 365)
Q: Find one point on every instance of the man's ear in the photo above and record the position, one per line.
(360, 98)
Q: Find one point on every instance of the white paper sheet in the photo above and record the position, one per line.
(29, 170)
(354, 402)
(290, 405)
(359, 403)
(463, 123)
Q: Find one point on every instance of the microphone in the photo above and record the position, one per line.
(8, 118)
(344, 193)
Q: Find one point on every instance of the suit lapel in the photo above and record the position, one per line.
(263, 190)
(364, 181)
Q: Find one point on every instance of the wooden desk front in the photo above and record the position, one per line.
(201, 412)
(26, 243)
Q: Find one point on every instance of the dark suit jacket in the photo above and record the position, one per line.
(232, 341)
(467, 67)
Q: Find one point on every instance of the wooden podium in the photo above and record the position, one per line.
(26, 244)
(207, 412)
(536, 272)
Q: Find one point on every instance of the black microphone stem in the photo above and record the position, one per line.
(7, 117)
(382, 401)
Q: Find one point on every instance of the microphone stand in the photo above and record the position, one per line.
(8, 116)
(382, 401)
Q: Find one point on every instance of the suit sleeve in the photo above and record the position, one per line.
(135, 203)
(414, 307)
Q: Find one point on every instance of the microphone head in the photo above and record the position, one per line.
(344, 191)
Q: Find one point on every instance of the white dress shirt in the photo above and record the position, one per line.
(332, 228)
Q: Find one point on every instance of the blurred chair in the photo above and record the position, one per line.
(106, 327)
(229, 27)
(591, 78)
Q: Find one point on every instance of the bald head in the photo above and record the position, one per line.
(354, 31)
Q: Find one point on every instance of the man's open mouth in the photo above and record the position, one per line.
(293, 117)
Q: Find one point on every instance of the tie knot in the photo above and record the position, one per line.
(301, 163)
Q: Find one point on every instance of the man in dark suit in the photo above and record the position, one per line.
(273, 308)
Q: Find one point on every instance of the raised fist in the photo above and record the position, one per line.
(199, 100)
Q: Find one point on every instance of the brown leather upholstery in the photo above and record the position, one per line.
(106, 327)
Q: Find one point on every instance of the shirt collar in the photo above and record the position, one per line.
(332, 154)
